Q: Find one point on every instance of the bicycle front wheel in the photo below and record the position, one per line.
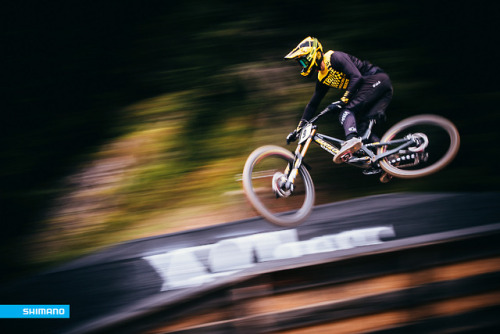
(436, 143)
(262, 168)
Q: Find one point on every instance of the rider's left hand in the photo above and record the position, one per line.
(336, 105)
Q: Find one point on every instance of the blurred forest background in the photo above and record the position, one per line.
(126, 119)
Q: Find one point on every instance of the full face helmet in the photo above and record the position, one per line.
(308, 54)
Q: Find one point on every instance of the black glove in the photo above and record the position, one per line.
(292, 136)
(336, 105)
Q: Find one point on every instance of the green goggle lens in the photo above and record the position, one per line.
(303, 62)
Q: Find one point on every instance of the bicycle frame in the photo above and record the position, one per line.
(309, 134)
(414, 147)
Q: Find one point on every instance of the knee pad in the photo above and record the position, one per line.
(344, 115)
(348, 122)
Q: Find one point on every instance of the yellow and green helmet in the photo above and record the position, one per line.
(308, 54)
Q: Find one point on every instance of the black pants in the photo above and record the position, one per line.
(369, 102)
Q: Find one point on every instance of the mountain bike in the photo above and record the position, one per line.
(278, 184)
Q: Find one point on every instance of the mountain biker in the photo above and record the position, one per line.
(367, 90)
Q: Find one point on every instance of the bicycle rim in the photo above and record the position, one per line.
(443, 142)
(260, 168)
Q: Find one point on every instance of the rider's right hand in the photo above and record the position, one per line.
(292, 136)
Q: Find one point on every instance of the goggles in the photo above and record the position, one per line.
(304, 62)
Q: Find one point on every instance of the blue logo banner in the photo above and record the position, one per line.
(34, 311)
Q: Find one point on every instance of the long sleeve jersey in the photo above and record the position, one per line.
(342, 71)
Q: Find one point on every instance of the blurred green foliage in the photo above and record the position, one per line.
(169, 98)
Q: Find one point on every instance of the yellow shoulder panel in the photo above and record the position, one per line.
(324, 73)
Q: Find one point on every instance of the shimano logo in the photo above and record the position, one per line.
(376, 84)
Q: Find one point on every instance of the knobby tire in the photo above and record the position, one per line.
(280, 219)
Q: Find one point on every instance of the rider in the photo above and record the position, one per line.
(368, 90)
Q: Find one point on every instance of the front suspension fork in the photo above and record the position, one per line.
(292, 171)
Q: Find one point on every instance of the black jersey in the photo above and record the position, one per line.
(342, 71)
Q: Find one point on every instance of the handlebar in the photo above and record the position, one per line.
(326, 110)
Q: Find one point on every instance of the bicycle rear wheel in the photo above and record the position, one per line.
(263, 167)
(436, 144)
